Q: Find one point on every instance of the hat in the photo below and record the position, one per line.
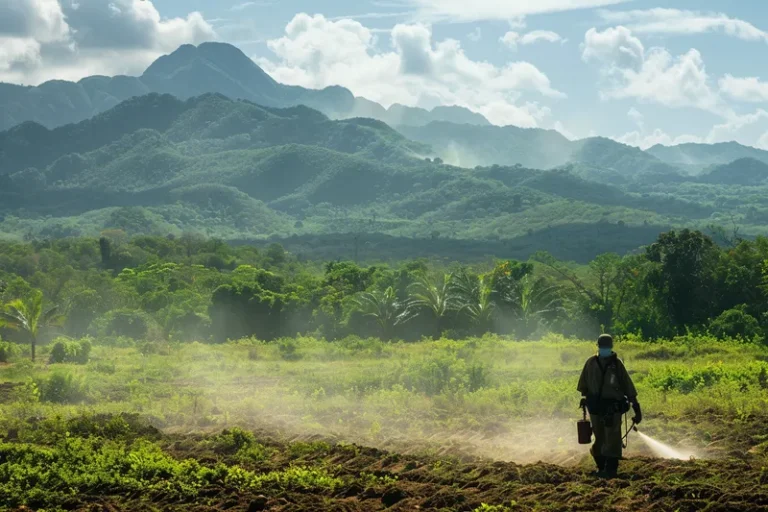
(605, 341)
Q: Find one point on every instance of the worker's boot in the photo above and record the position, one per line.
(600, 462)
(611, 468)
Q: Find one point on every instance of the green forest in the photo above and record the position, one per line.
(233, 170)
(194, 289)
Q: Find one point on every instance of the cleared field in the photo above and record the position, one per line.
(450, 425)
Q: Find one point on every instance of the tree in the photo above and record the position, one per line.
(532, 302)
(603, 291)
(385, 308)
(27, 315)
(474, 297)
(683, 276)
(436, 298)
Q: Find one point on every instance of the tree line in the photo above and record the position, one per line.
(190, 288)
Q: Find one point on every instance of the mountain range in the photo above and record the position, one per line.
(207, 142)
(192, 71)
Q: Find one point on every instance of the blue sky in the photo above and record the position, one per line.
(639, 71)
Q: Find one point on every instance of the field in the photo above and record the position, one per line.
(303, 424)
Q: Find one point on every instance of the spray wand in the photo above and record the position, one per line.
(625, 439)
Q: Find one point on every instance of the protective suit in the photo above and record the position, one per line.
(608, 392)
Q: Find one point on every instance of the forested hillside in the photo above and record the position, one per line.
(595, 158)
(232, 169)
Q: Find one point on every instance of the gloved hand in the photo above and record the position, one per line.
(583, 402)
(638, 413)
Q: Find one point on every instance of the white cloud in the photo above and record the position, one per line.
(614, 47)
(45, 39)
(18, 52)
(750, 89)
(676, 21)
(656, 76)
(463, 11)
(658, 136)
(517, 22)
(510, 40)
(636, 117)
(748, 129)
(40, 20)
(475, 35)
(242, 6)
(317, 52)
(537, 36)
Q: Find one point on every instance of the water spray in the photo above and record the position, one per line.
(662, 450)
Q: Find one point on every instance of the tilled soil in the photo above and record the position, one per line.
(452, 484)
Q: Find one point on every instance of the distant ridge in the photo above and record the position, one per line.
(192, 71)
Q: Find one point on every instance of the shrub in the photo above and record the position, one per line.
(8, 351)
(445, 372)
(735, 323)
(129, 323)
(289, 349)
(686, 379)
(70, 351)
(62, 388)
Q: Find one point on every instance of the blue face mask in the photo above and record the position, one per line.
(604, 352)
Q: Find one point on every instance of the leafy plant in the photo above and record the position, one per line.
(27, 315)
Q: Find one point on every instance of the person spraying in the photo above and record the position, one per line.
(607, 393)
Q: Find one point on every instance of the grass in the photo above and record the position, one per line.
(170, 422)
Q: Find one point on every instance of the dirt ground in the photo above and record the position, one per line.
(453, 483)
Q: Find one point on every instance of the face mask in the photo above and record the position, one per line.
(604, 352)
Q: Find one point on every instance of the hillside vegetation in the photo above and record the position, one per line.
(236, 170)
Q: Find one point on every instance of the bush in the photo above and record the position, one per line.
(735, 323)
(8, 351)
(128, 323)
(289, 349)
(444, 372)
(70, 351)
(62, 388)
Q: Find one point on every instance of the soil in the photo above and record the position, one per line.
(465, 484)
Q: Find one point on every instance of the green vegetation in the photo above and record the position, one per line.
(237, 171)
(188, 372)
(276, 430)
(193, 289)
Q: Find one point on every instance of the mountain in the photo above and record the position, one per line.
(223, 123)
(745, 171)
(596, 158)
(236, 170)
(192, 71)
(706, 154)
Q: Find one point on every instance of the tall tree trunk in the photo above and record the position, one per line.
(34, 346)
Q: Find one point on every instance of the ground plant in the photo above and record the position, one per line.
(475, 424)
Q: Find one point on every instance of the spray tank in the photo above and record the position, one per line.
(584, 428)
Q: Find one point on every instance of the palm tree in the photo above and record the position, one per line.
(436, 298)
(28, 316)
(473, 297)
(533, 301)
(384, 307)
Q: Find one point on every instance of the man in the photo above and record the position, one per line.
(607, 390)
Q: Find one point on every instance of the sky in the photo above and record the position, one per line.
(641, 72)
